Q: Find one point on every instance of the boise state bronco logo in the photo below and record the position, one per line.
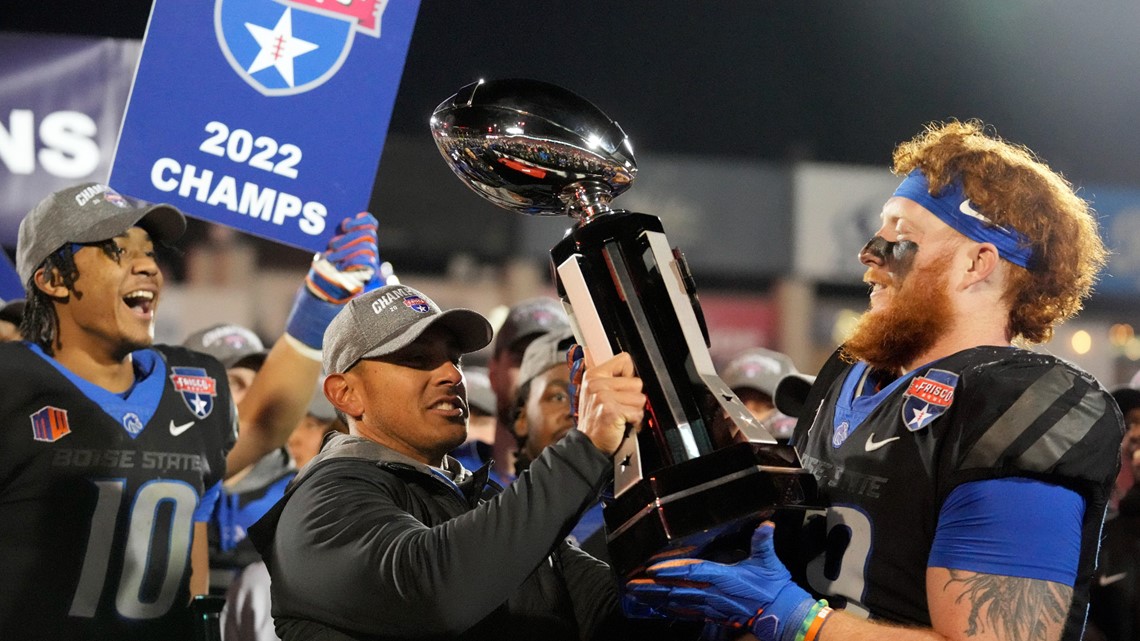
(286, 47)
(197, 389)
(839, 436)
(927, 398)
(132, 423)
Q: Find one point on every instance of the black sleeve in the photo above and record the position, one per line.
(595, 597)
(593, 593)
(353, 556)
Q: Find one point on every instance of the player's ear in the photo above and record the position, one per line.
(984, 259)
(344, 394)
(50, 282)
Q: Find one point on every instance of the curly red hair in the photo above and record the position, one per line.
(1015, 189)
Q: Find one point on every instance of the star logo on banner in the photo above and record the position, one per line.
(278, 47)
(199, 406)
(920, 417)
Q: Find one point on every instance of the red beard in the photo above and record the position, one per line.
(914, 319)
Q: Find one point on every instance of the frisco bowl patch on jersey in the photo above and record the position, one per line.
(928, 397)
(197, 389)
(288, 47)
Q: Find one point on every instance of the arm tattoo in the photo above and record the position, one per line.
(1018, 608)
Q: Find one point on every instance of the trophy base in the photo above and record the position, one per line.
(687, 508)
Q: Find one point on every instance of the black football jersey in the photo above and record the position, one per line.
(886, 460)
(98, 493)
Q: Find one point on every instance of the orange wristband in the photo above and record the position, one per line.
(813, 629)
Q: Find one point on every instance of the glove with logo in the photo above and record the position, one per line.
(350, 266)
(757, 594)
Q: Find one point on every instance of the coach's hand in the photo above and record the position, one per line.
(757, 594)
(610, 399)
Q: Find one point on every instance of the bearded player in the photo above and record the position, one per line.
(967, 478)
(112, 451)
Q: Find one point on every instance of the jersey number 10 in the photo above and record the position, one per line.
(141, 544)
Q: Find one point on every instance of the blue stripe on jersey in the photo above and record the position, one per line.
(1011, 527)
(207, 503)
(135, 411)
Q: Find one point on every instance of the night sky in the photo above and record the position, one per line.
(810, 80)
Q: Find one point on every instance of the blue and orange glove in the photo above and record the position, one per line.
(756, 594)
(350, 266)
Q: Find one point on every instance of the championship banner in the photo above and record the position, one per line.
(268, 116)
(61, 103)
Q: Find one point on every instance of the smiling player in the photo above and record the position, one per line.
(113, 450)
(967, 478)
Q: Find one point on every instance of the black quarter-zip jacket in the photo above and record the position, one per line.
(370, 544)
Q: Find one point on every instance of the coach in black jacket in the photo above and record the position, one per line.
(384, 536)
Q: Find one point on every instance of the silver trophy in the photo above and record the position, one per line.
(700, 468)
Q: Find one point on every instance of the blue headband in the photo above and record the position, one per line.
(952, 207)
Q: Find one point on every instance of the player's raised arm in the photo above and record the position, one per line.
(279, 395)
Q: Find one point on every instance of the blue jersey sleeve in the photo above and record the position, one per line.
(1012, 527)
(208, 503)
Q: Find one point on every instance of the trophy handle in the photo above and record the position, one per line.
(747, 429)
(590, 331)
(589, 328)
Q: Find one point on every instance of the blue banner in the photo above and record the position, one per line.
(10, 286)
(268, 116)
(61, 102)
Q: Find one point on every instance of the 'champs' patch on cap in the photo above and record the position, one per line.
(88, 213)
(387, 319)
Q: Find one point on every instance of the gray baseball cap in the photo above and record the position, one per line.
(88, 213)
(385, 320)
(232, 345)
(543, 353)
(530, 317)
(759, 369)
